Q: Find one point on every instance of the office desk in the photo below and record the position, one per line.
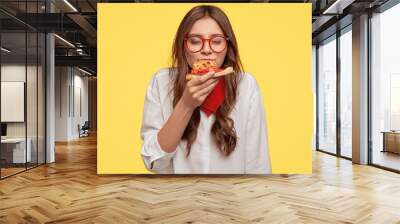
(391, 141)
(15, 148)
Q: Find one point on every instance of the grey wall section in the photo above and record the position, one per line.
(92, 99)
(314, 90)
(71, 102)
(360, 90)
(50, 99)
(62, 98)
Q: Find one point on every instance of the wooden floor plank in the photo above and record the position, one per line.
(70, 191)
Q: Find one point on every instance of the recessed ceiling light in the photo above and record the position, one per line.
(70, 5)
(84, 71)
(5, 50)
(64, 40)
(338, 6)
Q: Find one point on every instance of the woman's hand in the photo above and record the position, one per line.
(197, 90)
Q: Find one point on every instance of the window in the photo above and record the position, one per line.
(346, 93)
(327, 95)
(385, 88)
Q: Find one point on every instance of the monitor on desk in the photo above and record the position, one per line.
(3, 130)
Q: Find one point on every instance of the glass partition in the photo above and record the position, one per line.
(22, 88)
(14, 153)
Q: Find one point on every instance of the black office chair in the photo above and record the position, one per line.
(84, 130)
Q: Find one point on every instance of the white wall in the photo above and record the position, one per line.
(71, 87)
(13, 73)
(12, 101)
(80, 84)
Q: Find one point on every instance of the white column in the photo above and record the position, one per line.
(360, 89)
(50, 92)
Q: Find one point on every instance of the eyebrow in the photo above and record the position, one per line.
(212, 35)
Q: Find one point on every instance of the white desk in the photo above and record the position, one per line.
(18, 149)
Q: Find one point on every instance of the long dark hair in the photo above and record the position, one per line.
(223, 129)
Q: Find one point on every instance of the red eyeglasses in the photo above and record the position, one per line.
(196, 43)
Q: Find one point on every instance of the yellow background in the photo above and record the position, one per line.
(135, 40)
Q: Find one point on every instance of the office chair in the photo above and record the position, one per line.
(84, 130)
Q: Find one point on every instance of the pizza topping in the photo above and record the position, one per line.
(204, 66)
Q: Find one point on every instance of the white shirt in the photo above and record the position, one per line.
(251, 154)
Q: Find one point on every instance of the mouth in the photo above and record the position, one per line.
(211, 59)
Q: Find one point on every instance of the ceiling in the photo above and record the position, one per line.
(76, 22)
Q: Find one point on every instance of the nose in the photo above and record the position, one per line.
(206, 47)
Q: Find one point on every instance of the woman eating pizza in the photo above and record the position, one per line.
(204, 114)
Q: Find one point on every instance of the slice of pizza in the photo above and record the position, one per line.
(204, 66)
(201, 67)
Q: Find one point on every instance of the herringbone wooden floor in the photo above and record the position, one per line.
(69, 191)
